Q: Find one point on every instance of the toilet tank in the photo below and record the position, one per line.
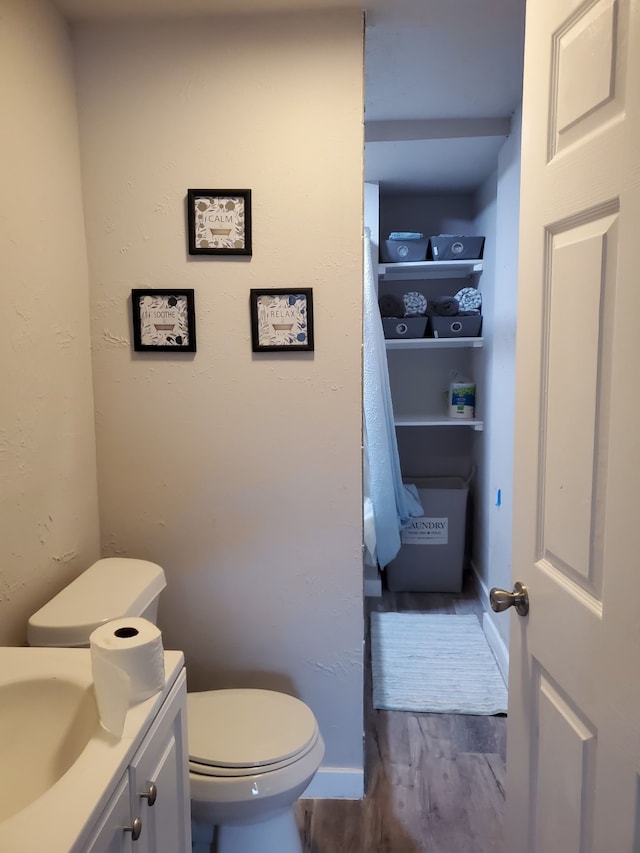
(110, 588)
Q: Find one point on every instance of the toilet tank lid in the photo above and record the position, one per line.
(110, 588)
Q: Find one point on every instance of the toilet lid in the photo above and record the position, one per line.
(246, 728)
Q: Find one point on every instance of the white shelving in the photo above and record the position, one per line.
(433, 343)
(432, 416)
(415, 270)
(437, 421)
(420, 379)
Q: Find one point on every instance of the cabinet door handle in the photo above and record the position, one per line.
(135, 829)
(150, 795)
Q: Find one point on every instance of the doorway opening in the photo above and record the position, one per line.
(452, 169)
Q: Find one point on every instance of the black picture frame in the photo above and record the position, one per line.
(219, 222)
(293, 307)
(164, 320)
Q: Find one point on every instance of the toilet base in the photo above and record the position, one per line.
(277, 832)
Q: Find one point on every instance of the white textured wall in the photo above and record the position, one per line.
(486, 223)
(48, 497)
(239, 473)
(499, 201)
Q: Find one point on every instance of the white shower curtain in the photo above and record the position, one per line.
(388, 502)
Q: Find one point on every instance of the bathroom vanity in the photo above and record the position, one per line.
(116, 794)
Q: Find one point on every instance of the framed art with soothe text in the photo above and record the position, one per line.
(163, 320)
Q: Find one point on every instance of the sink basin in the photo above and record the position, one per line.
(45, 723)
(58, 765)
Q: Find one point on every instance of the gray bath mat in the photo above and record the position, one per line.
(434, 662)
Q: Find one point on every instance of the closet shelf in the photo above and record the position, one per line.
(433, 343)
(437, 421)
(415, 270)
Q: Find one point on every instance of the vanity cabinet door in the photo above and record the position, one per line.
(110, 835)
(159, 780)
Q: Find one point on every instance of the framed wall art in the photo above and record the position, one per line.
(219, 222)
(282, 320)
(163, 320)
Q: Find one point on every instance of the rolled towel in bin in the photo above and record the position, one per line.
(445, 306)
(415, 304)
(469, 299)
(391, 306)
(405, 235)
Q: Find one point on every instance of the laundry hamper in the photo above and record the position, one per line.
(431, 558)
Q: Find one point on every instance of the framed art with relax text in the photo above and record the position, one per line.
(282, 320)
(163, 320)
(219, 222)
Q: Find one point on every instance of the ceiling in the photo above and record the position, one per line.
(455, 63)
(442, 79)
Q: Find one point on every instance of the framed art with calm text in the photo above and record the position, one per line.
(219, 222)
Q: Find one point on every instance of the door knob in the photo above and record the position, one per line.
(501, 599)
(135, 829)
(150, 795)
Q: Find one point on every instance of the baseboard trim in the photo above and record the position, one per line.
(372, 581)
(496, 643)
(497, 646)
(336, 783)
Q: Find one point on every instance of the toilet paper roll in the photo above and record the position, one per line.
(127, 662)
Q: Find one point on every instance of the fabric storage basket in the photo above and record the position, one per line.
(431, 558)
(448, 247)
(404, 327)
(396, 251)
(455, 327)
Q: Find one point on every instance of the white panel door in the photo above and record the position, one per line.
(573, 756)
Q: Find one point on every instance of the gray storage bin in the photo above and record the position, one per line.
(449, 247)
(455, 327)
(404, 327)
(431, 558)
(398, 251)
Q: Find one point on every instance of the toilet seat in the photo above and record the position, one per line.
(242, 732)
(233, 772)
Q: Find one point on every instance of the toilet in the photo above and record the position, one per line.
(252, 752)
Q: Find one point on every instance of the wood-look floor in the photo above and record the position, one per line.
(434, 782)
